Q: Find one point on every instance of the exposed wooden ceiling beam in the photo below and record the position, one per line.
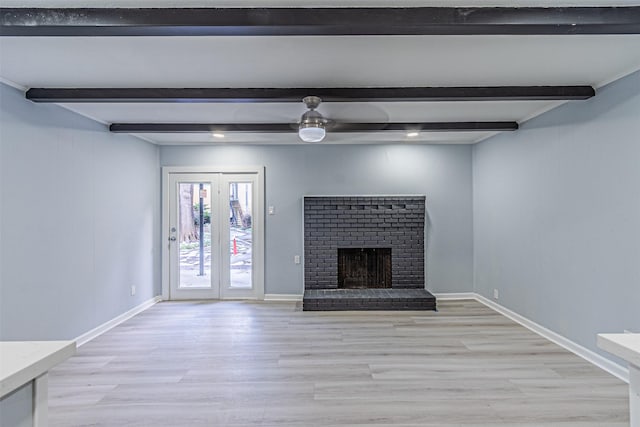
(317, 21)
(291, 127)
(369, 94)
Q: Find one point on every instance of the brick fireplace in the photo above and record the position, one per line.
(364, 253)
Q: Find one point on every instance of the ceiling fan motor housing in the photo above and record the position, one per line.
(312, 118)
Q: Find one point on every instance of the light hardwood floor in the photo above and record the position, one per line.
(270, 364)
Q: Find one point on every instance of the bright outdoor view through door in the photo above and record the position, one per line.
(195, 234)
(240, 234)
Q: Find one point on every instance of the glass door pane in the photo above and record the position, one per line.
(194, 235)
(240, 235)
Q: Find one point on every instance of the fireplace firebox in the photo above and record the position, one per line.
(364, 268)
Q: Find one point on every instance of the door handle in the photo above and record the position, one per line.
(172, 238)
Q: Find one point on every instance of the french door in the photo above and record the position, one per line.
(214, 235)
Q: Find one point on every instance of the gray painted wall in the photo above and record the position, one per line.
(557, 216)
(554, 223)
(16, 408)
(442, 173)
(79, 221)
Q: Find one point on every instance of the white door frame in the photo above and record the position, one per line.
(257, 222)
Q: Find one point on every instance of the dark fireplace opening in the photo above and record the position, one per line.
(364, 268)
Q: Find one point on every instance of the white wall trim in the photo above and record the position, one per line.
(454, 296)
(259, 248)
(212, 169)
(583, 352)
(13, 84)
(623, 73)
(96, 332)
(282, 297)
(588, 355)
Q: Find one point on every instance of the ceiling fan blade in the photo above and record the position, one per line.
(423, 127)
(339, 126)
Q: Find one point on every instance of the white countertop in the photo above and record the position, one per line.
(23, 361)
(626, 346)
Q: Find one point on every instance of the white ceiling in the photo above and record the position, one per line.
(323, 61)
(293, 61)
(290, 112)
(332, 138)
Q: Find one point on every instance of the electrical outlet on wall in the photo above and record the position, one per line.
(133, 290)
(496, 294)
(296, 259)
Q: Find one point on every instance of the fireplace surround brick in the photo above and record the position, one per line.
(332, 222)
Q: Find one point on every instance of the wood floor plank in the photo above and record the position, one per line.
(265, 364)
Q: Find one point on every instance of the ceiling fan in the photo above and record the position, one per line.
(312, 123)
(313, 126)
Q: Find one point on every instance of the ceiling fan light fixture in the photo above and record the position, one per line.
(312, 124)
(311, 133)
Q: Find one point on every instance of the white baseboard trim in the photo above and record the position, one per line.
(96, 332)
(454, 296)
(588, 355)
(583, 352)
(282, 297)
